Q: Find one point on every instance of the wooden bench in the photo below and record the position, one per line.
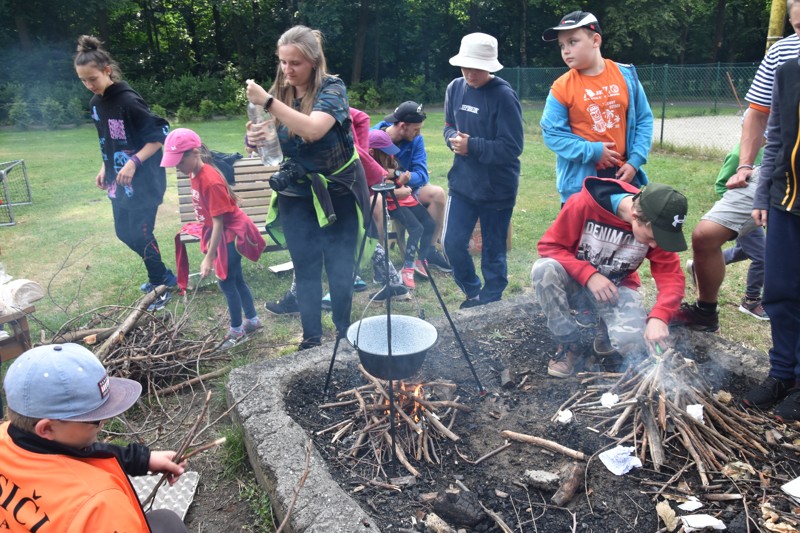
(252, 188)
(19, 339)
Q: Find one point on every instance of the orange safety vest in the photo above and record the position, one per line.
(57, 493)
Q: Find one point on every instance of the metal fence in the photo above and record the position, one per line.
(694, 106)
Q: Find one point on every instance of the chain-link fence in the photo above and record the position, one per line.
(694, 106)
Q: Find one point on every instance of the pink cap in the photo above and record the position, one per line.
(380, 139)
(177, 142)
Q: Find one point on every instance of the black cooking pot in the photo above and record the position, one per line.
(411, 339)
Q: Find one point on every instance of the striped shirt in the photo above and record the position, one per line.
(760, 92)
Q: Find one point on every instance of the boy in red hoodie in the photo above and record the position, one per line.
(596, 244)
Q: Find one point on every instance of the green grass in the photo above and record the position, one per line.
(65, 240)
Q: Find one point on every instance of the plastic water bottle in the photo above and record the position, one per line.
(269, 148)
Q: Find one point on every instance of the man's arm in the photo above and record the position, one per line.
(416, 162)
(753, 128)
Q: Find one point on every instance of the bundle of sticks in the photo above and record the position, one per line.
(157, 350)
(655, 398)
(419, 429)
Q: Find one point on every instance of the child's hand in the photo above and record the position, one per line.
(100, 180)
(656, 335)
(626, 173)
(602, 288)
(161, 462)
(609, 157)
(207, 266)
(402, 192)
(460, 143)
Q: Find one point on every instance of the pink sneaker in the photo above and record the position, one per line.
(420, 268)
(407, 274)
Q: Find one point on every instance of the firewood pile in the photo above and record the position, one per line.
(158, 350)
(423, 421)
(664, 406)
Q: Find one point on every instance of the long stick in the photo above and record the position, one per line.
(543, 443)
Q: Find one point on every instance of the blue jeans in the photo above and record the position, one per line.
(460, 219)
(749, 246)
(782, 293)
(236, 291)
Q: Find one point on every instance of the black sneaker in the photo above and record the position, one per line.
(285, 306)
(313, 342)
(789, 409)
(470, 302)
(395, 291)
(692, 317)
(437, 260)
(768, 393)
(160, 302)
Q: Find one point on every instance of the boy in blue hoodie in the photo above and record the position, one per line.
(596, 118)
(483, 129)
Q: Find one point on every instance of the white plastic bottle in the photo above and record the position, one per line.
(270, 148)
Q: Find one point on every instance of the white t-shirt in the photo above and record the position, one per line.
(760, 92)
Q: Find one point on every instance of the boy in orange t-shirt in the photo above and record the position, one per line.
(596, 118)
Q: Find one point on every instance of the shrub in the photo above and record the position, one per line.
(185, 114)
(52, 112)
(364, 96)
(158, 110)
(207, 109)
(232, 108)
(75, 111)
(19, 114)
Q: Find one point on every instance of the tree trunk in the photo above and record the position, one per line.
(361, 39)
(24, 34)
(102, 24)
(523, 35)
(218, 41)
(719, 29)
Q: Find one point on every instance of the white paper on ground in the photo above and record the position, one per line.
(176, 497)
(692, 504)
(609, 399)
(619, 460)
(696, 522)
(696, 412)
(792, 489)
(564, 417)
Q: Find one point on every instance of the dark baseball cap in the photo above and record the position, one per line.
(666, 209)
(576, 19)
(410, 112)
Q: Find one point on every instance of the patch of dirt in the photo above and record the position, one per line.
(614, 503)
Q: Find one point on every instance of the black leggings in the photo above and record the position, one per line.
(420, 226)
(134, 227)
(312, 246)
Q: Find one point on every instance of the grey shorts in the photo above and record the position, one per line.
(734, 209)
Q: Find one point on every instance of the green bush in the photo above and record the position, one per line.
(75, 111)
(364, 96)
(158, 110)
(207, 109)
(19, 114)
(232, 108)
(185, 114)
(52, 112)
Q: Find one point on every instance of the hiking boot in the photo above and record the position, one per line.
(419, 268)
(691, 316)
(359, 285)
(326, 302)
(602, 344)
(470, 302)
(232, 338)
(585, 319)
(160, 302)
(563, 363)
(768, 393)
(252, 325)
(690, 272)
(754, 308)
(789, 409)
(313, 342)
(408, 278)
(437, 260)
(285, 306)
(396, 291)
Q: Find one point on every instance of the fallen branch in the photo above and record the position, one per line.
(544, 443)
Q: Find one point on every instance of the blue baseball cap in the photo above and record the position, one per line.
(66, 382)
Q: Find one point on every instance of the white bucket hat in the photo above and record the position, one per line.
(479, 51)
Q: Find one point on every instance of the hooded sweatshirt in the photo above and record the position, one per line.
(492, 116)
(587, 237)
(124, 125)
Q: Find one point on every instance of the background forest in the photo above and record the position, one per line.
(190, 57)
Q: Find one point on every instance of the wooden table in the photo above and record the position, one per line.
(20, 336)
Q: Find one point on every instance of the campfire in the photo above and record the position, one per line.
(423, 421)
